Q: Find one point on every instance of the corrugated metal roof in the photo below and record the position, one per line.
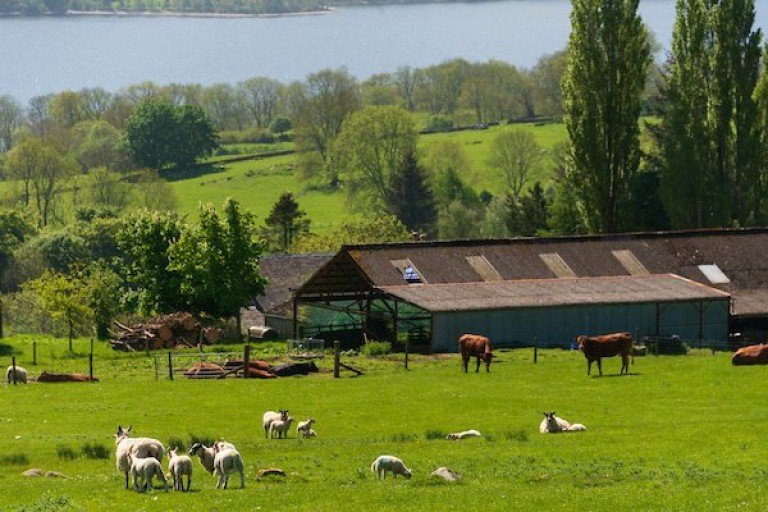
(554, 292)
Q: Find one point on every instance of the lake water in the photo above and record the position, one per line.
(49, 55)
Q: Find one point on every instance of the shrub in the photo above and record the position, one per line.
(439, 124)
(376, 348)
(280, 124)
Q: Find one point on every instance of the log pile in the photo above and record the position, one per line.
(174, 330)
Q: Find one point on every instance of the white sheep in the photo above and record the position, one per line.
(310, 433)
(144, 469)
(205, 454)
(552, 424)
(20, 375)
(225, 462)
(384, 463)
(136, 447)
(179, 466)
(304, 428)
(271, 416)
(464, 434)
(280, 427)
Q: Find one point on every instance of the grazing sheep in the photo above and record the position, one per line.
(280, 427)
(225, 462)
(464, 434)
(205, 454)
(136, 447)
(145, 469)
(179, 466)
(304, 427)
(553, 424)
(384, 463)
(271, 416)
(19, 376)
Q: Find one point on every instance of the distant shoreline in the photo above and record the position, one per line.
(175, 14)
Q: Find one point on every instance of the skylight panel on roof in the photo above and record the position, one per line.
(630, 263)
(714, 274)
(557, 265)
(483, 267)
(408, 270)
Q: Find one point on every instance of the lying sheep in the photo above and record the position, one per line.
(179, 466)
(144, 469)
(280, 427)
(384, 463)
(310, 433)
(464, 434)
(304, 428)
(136, 447)
(225, 462)
(16, 374)
(552, 424)
(271, 416)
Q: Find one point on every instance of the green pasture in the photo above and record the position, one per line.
(677, 433)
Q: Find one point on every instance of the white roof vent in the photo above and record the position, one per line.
(714, 274)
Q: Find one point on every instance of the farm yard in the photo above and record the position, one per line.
(677, 433)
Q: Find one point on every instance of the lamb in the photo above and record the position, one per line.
(271, 416)
(394, 465)
(304, 428)
(310, 433)
(553, 424)
(280, 427)
(145, 469)
(205, 454)
(464, 434)
(136, 447)
(16, 374)
(179, 466)
(225, 462)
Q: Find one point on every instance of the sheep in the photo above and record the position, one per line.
(136, 447)
(145, 469)
(205, 454)
(553, 424)
(225, 462)
(271, 416)
(16, 374)
(384, 463)
(464, 434)
(280, 427)
(178, 466)
(310, 433)
(304, 428)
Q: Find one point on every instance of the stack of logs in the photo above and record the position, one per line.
(163, 332)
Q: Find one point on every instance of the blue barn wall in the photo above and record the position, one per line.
(557, 326)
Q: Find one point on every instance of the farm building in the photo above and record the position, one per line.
(699, 285)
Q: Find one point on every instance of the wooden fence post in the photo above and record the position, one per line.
(246, 360)
(336, 356)
(13, 365)
(535, 350)
(34, 353)
(90, 365)
(170, 365)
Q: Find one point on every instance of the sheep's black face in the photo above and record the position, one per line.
(194, 449)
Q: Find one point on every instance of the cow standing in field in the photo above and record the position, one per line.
(753, 354)
(606, 345)
(473, 345)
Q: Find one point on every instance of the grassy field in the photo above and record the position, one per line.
(678, 433)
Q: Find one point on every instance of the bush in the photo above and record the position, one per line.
(280, 125)
(439, 124)
(376, 348)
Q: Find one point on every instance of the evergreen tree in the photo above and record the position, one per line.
(285, 222)
(608, 58)
(409, 196)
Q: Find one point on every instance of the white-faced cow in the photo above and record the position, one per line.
(473, 345)
(606, 345)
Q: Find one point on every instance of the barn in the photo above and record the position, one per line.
(700, 285)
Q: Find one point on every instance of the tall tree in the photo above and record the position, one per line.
(11, 117)
(515, 155)
(710, 141)
(285, 223)
(410, 197)
(65, 297)
(608, 58)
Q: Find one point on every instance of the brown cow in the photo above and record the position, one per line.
(65, 377)
(753, 354)
(477, 346)
(606, 345)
